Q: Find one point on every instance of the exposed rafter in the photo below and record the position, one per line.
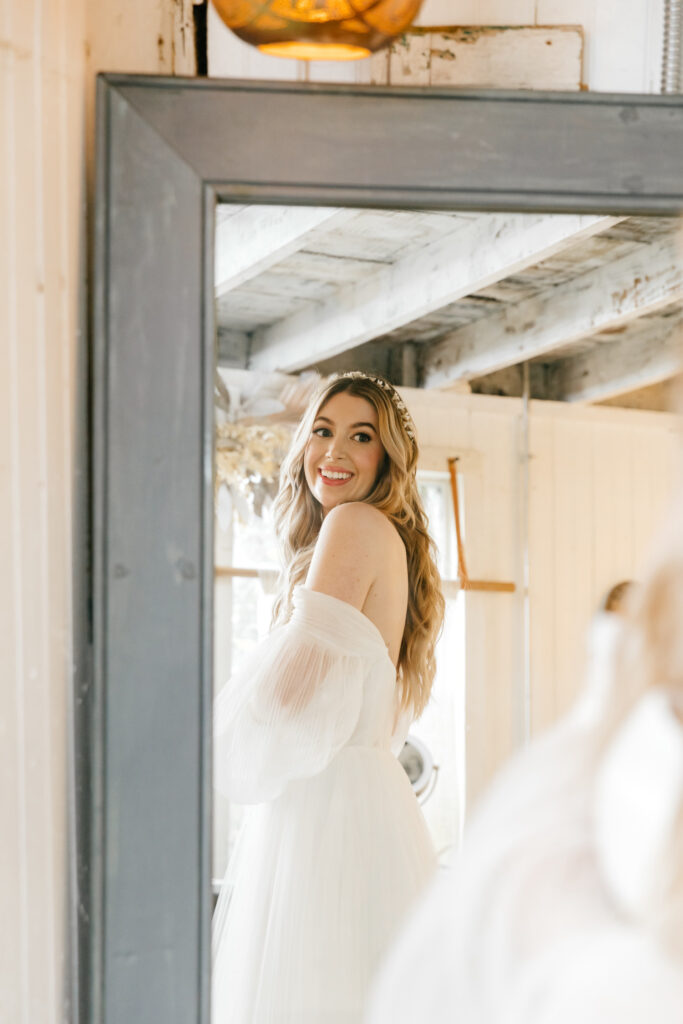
(256, 237)
(639, 283)
(489, 248)
(615, 368)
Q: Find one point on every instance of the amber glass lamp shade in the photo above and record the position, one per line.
(318, 29)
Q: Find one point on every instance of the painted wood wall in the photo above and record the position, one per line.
(599, 483)
(49, 52)
(41, 98)
(623, 40)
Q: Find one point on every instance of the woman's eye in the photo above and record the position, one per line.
(363, 436)
(322, 431)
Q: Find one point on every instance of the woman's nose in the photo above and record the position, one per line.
(335, 447)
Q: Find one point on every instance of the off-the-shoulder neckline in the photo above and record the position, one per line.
(354, 611)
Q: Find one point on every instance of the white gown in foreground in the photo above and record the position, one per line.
(566, 903)
(336, 850)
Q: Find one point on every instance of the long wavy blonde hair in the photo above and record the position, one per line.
(299, 515)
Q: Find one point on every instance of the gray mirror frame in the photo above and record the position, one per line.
(167, 149)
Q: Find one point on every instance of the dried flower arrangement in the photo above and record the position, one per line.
(255, 418)
(248, 458)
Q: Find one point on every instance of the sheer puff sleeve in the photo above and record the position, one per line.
(296, 700)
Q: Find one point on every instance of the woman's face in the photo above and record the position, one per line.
(344, 453)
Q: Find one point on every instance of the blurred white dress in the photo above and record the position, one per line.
(566, 903)
(336, 850)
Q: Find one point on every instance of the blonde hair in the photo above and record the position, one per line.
(298, 518)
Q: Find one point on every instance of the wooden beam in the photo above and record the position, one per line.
(256, 237)
(639, 283)
(489, 248)
(481, 56)
(615, 368)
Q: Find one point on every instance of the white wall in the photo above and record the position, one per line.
(41, 100)
(599, 483)
(623, 41)
(49, 50)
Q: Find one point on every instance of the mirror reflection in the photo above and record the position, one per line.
(441, 439)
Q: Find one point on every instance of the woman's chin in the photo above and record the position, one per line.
(330, 501)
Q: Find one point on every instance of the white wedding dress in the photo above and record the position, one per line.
(336, 849)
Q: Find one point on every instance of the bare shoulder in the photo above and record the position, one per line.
(361, 524)
(355, 513)
(352, 545)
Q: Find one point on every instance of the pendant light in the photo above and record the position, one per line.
(318, 29)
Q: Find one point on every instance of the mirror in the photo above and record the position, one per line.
(542, 351)
(460, 157)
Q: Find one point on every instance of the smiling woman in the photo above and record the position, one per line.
(344, 452)
(320, 881)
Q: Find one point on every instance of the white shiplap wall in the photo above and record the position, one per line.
(49, 51)
(623, 40)
(41, 99)
(599, 482)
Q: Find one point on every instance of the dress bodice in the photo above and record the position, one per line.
(324, 613)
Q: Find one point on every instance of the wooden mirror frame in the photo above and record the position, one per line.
(167, 150)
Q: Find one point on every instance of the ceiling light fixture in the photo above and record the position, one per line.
(318, 29)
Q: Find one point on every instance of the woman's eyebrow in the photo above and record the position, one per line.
(327, 420)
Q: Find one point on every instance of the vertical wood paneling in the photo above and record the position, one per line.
(614, 498)
(40, 204)
(26, 575)
(574, 550)
(541, 540)
(477, 12)
(43, 90)
(58, 212)
(493, 667)
(599, 484)
(654, 470)
(12, 942)
(600, 480)
(486, 432)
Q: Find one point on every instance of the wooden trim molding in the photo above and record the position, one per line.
(168, 149)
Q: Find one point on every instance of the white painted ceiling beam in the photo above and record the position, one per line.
(489, 248)
(639, 283)
(615, 368)
(257, 237)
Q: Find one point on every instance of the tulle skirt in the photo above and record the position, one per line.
(318, 886)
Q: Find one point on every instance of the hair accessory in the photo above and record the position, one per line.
(406, 418)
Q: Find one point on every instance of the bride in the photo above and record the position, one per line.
(335, 850)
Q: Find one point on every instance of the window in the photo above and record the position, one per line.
(442, 726)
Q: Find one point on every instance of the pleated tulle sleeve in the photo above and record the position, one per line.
(296, 700)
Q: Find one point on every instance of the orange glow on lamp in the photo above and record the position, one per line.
(318, 29)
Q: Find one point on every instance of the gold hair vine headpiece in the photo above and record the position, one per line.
(406, 418)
